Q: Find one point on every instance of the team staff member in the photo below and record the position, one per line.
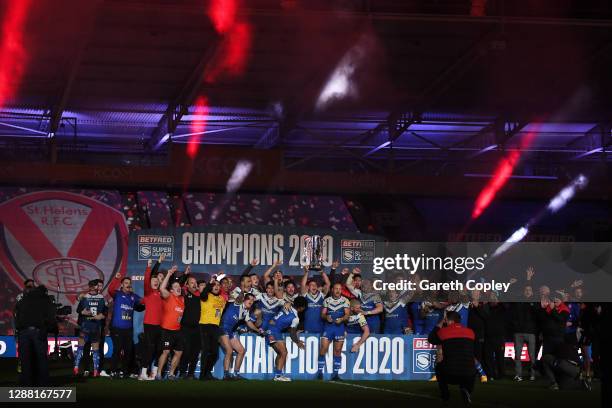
(173, 307)
(125, 301)
(211, 309)
(190, 329)
(457, 364)
(152, 319)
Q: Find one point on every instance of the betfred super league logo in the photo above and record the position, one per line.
(61, 240)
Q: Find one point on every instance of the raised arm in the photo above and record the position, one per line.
(268, 272)
(279, 291)
(163, 288)
(349, 284)
(147, 278)
(206, 291)
(303, 288)
(249, 268)
(326, 279)
(332, 271)
(185, 275)
(114, 285)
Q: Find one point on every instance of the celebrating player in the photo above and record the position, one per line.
(396, 314)
(173, 308)
(235, 314)
(269, 305)
(246, 283)
(314, 296)
(287, 318)
(357, 324)
(93, 308)
(371, 303)
(335, 313)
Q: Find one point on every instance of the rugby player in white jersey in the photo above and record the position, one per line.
(335, 313)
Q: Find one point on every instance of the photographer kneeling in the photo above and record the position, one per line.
(457, 360)
(34, 317)
(562, 368)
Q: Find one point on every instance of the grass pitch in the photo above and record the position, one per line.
(503, 393)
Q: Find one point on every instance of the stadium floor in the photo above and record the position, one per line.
(503, 393)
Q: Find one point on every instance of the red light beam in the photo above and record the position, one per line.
(13, 54)
(502, 173)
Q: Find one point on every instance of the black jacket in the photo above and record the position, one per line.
(457, 349)
(191, 314)
(476, 320)
(35, 309)
(523, 317)
(552, 320)
(496, 320)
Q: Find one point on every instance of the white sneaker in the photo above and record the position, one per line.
(281, 378)
(143, 377)
(104, 374)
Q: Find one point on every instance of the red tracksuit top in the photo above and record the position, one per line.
(152, 300)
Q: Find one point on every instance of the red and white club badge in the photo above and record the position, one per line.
(61, 240)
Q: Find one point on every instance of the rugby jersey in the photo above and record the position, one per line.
(356, 323)
(269, 306)
(237, 291)
(234, 315)
(312, 316)
(335, 307)
(396, 317)
(286, 319)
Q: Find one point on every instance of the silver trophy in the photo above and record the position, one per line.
(312, 252)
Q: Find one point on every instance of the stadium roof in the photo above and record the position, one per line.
(429, 82)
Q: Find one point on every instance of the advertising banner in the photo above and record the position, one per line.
(230, 248)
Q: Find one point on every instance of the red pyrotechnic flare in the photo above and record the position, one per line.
(198, 126)
(238, 45)
(236, 42)
(501, 175)
(223, 14)
(13, 55)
